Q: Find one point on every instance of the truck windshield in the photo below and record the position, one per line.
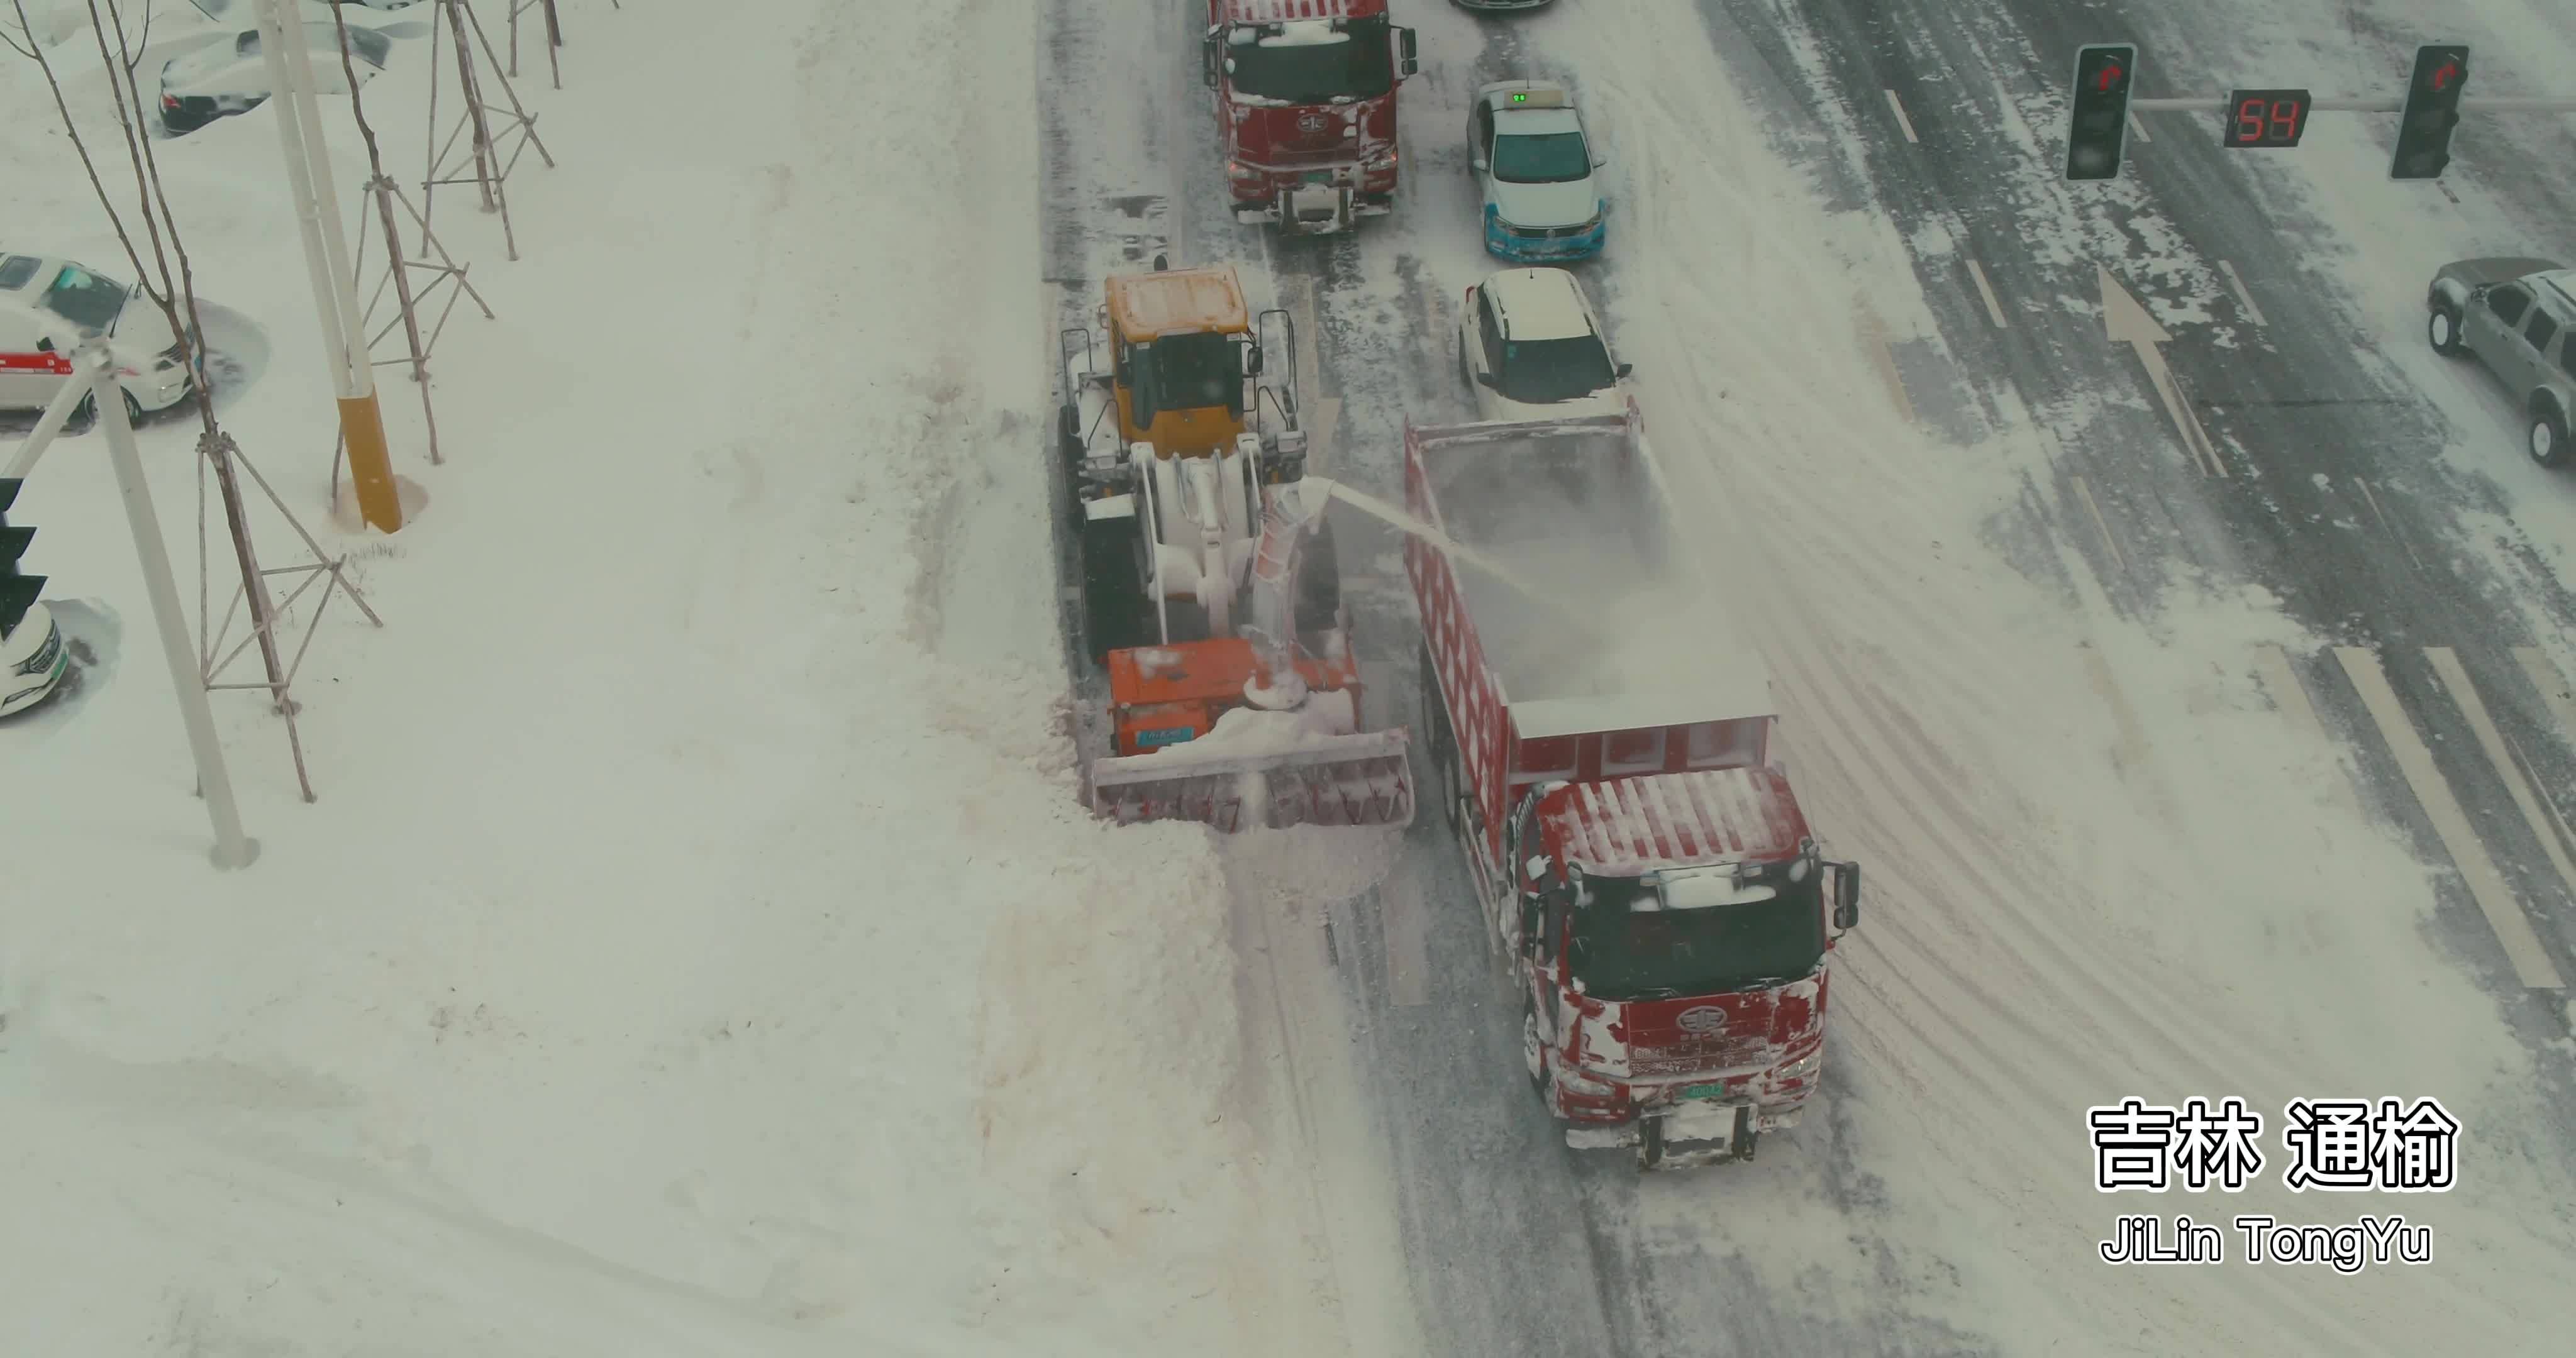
(1538, 372)
(1188, 372)
(1623, 953)
(1541, 158)
(1310, 62)
(85, 299)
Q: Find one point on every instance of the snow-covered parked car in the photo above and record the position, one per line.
(48, 304)
(2513, 315)
(1530, 348)
(1533, 167)
(33, 660)
(231, 76)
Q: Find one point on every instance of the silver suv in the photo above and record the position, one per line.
(2514, 316)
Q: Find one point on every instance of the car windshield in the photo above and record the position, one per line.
(1541, 158)
(1188, 372)
(1310, 62)
(1623, 953)
(85, 299)
(1542, 372)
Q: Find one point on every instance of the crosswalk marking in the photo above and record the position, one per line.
(2272, 666)
(2553, 689)
(2464, 692)
(2522, 947)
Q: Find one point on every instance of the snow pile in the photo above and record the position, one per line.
(686, 955)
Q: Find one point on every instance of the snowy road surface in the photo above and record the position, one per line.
(2037, 653)
(698, 949)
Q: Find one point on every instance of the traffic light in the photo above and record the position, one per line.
(2099, 126)
(17, 592)
(2432, 110)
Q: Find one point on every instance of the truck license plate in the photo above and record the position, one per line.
(1703, 1091)
(1154, 737)
(1319, 176)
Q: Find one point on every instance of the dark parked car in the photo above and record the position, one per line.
(231, 77)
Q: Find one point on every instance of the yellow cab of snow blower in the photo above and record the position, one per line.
(1211, 597)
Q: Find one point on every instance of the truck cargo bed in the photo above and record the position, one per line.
(1616, 635)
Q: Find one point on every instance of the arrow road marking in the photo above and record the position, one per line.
(2128, 323)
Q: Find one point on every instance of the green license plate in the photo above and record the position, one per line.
(1703, 1091)
(1319, 176)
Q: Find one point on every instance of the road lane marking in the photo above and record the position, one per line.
(2464, 692)
(2290, 699)
(1875, 333)
(1901, 120)
(1987, 291)
(2530, 961)
(2126, 321)
(2244, 298)
(1407, 930)
(2390, 525)
(2139, 129)
(2131, 753)
(2098, 522)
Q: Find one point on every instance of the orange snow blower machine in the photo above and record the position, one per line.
(1193, 510)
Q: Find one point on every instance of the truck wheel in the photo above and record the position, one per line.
(1068, 433)
(2547, 441)
(2442, 328)
(1650, 1143)
(1531, 1052)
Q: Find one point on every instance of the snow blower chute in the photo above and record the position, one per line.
(1260, 728)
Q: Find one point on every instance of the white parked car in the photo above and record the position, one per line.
(47, 305)
(1526, 146)
(1531, 348)
(33, 660)
(231, 76)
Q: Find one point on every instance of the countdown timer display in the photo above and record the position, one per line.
(2257, 118)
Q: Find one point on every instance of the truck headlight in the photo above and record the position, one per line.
(1799, 1069)
(1573, 1081)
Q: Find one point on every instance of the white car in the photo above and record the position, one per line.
(1530, 348)
(231, 76)
(1526, 146)
(33, 660)
(47, 305)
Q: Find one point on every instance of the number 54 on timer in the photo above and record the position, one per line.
(2258, 118)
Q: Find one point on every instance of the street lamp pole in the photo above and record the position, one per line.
(326, 254)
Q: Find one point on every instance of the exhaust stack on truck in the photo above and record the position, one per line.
(1667, 912)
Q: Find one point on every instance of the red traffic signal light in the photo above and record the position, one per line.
(2098, 124)
(2432, 111)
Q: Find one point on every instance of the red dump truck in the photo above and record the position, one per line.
(1601, 745)
(1305, 99)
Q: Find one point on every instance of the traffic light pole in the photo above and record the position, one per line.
(326, 253)
(94, 377)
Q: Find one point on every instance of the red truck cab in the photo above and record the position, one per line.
(1668, 914)
(1305, 100)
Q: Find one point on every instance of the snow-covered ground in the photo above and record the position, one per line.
(697, 946)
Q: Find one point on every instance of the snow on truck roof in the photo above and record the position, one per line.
(1627, 827)
(1283, 11)
(1178, 301)
(1600, 627)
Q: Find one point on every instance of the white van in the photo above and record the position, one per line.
(47, 305)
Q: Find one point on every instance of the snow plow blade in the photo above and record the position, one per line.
(1359, 780)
